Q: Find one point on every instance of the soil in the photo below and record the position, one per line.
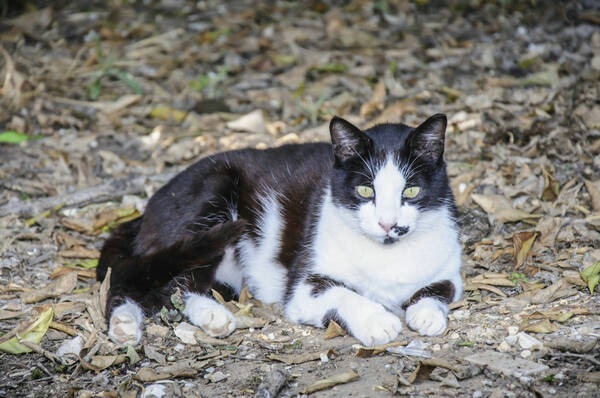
(111, 99)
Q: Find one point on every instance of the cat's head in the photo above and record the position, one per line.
(387, 177)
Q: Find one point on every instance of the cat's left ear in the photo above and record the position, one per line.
(347, 139)
(427, 140)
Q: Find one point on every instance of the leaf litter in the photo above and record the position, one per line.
(101, 107)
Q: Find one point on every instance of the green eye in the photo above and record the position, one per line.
(365, 191)
(411, 192)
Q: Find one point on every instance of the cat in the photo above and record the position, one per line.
(360, 231)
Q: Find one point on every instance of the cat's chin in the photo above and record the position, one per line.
(390, 240)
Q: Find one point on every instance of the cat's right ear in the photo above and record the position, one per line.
(347, 139)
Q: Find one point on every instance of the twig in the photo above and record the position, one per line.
(583, 356)
(102, 193)
(34, 347)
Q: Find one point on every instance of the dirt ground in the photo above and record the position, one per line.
(102, 102)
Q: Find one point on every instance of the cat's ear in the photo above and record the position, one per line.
(347, 139)
(427, 140)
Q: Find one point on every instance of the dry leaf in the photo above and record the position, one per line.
(79, 252)
(544, 326)
(147, 375)
(253, 122)
(501, 209)
(78, 224)
(102, 295)
(556, 315)
(245, 322)
(591, 275)
(99, 362)
(331, 381)
(64, 284)
(334, 330)
(244, 296)
(367, 352)
(32, 331)
(376, 103)
(81, 273)
(523, 241)
(551, 293)
(218, 297)
(294, 359)
(593, 188)
(421, 372)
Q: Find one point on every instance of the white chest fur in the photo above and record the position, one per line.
(389, 274)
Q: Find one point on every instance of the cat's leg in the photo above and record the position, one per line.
(427, 309)
(369, 322)
(206, 313)
(125, 324)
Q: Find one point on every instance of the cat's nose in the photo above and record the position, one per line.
(387, 226)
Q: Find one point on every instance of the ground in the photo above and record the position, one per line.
(110, 99)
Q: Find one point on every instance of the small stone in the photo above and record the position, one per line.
(513, 330)
(179, 347)
(446, 346)
(216, 377)
(526, 380)
(461, 315)
(477, 394)
(504, 347)
(525, 354)
(70, 347)
(528, 342)
(512, 339)
(186, 333)
(324, 357)
(506, 364)
(454, 336)
(157, 330)
(436, 347)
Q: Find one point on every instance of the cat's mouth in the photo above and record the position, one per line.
(395, 234)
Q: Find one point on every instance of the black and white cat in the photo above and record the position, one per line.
(361, 231)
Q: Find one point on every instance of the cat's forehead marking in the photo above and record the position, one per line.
(389, 183)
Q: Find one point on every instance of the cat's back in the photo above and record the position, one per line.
(274, 167)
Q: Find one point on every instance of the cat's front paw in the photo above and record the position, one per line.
(210, 316)
(427, 317)
(125, 325)
(380, 327)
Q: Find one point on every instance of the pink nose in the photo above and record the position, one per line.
(386, 226)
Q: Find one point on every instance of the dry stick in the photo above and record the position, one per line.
(102, 193)
(582, 356)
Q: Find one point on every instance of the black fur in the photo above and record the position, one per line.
(442, 290)
(188, 223)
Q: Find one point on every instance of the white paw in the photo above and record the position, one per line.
(212, 317)
(126, 324)
(427, 316)
(378, 328)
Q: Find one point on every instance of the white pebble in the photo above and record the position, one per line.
(324, 357)
(513, 330)
(512, 340)
(504, 347)
(529, 342)
(525, 354)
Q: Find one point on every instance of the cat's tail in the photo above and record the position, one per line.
(144, 278)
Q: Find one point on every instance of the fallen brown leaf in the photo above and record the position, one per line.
(331, 381)
(62, 285)
(501, 209)
(544, 326)
(334, 330)
(294, 359)
(523, 241)
(79, 252)
(593, 188)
